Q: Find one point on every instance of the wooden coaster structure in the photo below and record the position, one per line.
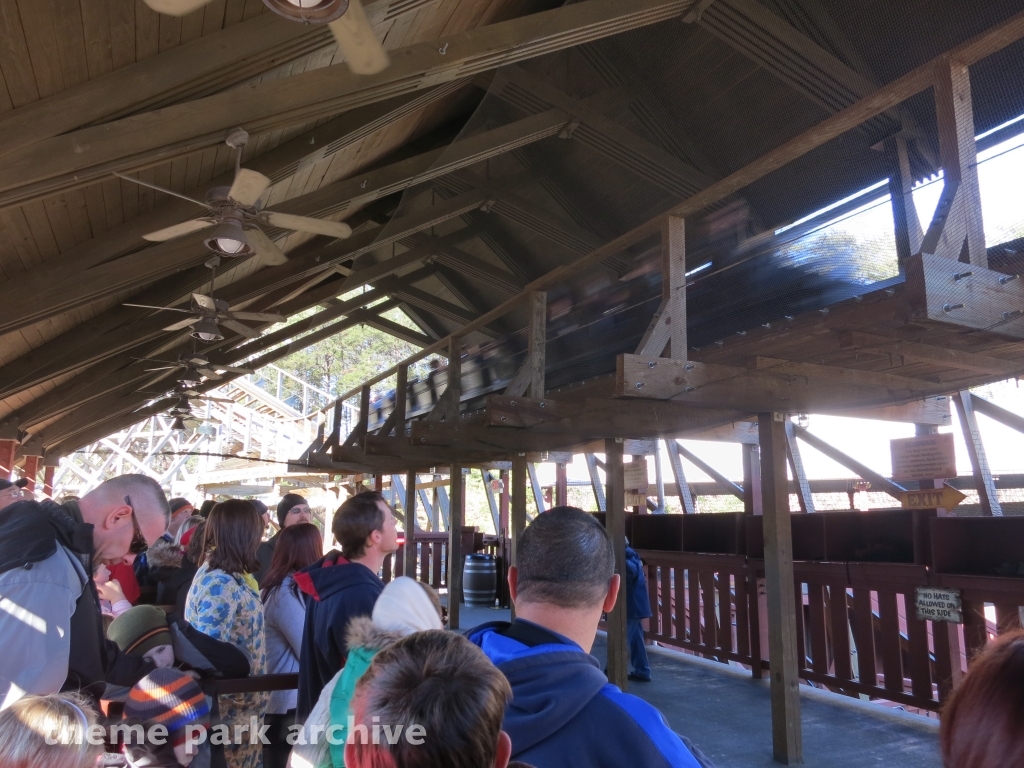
(953, 323)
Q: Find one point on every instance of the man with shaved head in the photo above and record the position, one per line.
(50, 621)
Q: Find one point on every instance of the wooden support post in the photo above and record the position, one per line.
(717, 476)
(682, 487)
(673, 283)
(504, 528)
(958, 153)
(8, 452)
(787, 739)
(49, 470)
(31, 471)
(518, 516)
(410, 524)
(796, 464)
(378, 483)
(561, 485)
(537, 343)
(904, 212)
(987, 493)
(615, 524)
(456, 517)
(595, 482)
(751, 478)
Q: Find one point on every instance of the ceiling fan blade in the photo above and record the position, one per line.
(239, 328)
(248, 187)
(212, 399)
(306, 224)
(208, 373)
(177, 230)
(204, 301)
(165, 309)
(165, 368)
(266, 250)
(182, 324)
(363, 52)
(269, 317)
(233, 369)
(175, 7)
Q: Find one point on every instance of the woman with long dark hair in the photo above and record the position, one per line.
(224, 603)
(297, 546)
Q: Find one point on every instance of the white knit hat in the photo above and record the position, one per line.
(404, 607)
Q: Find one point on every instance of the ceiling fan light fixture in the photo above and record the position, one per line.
(229, 239)
(308, 11)
(190, 378)
(207, 330)
(178, 425)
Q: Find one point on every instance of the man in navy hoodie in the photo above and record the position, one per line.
(564, 712)
(340, 587)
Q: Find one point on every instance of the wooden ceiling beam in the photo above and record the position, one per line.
(124, 369)
(89, 271)
(85, 346)
(119, 409)
(212, 63)
(605, 136)
(138, 141)
(886, 97)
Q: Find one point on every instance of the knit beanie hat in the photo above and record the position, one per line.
(285, 505)
(177, 503)
(171, 698)
(140, 629)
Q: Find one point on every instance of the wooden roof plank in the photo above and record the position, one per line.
(14, 58)
(148, 137)
(96, 28)
(43, 48)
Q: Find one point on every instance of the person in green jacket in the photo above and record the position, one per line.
(404, 607)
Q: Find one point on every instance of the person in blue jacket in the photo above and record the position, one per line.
(564, 713)
(638, 608)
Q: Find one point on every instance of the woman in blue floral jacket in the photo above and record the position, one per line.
(224, 603)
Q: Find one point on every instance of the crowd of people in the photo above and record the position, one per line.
(87, 678)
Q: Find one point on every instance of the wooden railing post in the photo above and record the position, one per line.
(787, 739)
(456, 515)
(410, 524)
(615, 524)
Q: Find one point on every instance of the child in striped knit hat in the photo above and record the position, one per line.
(170, 698)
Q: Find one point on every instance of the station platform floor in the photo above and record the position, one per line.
(727, 714)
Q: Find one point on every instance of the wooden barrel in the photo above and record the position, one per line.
(480, 580)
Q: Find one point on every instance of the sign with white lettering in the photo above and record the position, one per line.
(939, 605)
(930, 457)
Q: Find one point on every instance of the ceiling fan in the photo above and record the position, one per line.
(197, 367)
(236, 214)
(209, 313)
(346, 19)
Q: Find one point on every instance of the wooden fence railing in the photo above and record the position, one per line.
(857, 632)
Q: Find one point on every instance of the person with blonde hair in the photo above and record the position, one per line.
(48, 732)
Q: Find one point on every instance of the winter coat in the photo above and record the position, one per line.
(638, 602)
(172, 572)
(285, 613)
(564, 713)
(46, 553)
(337, 592)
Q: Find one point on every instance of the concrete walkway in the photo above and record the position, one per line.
(728, 715)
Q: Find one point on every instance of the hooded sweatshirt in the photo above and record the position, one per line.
(337, 591)
(402, 609)
(564, 713)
